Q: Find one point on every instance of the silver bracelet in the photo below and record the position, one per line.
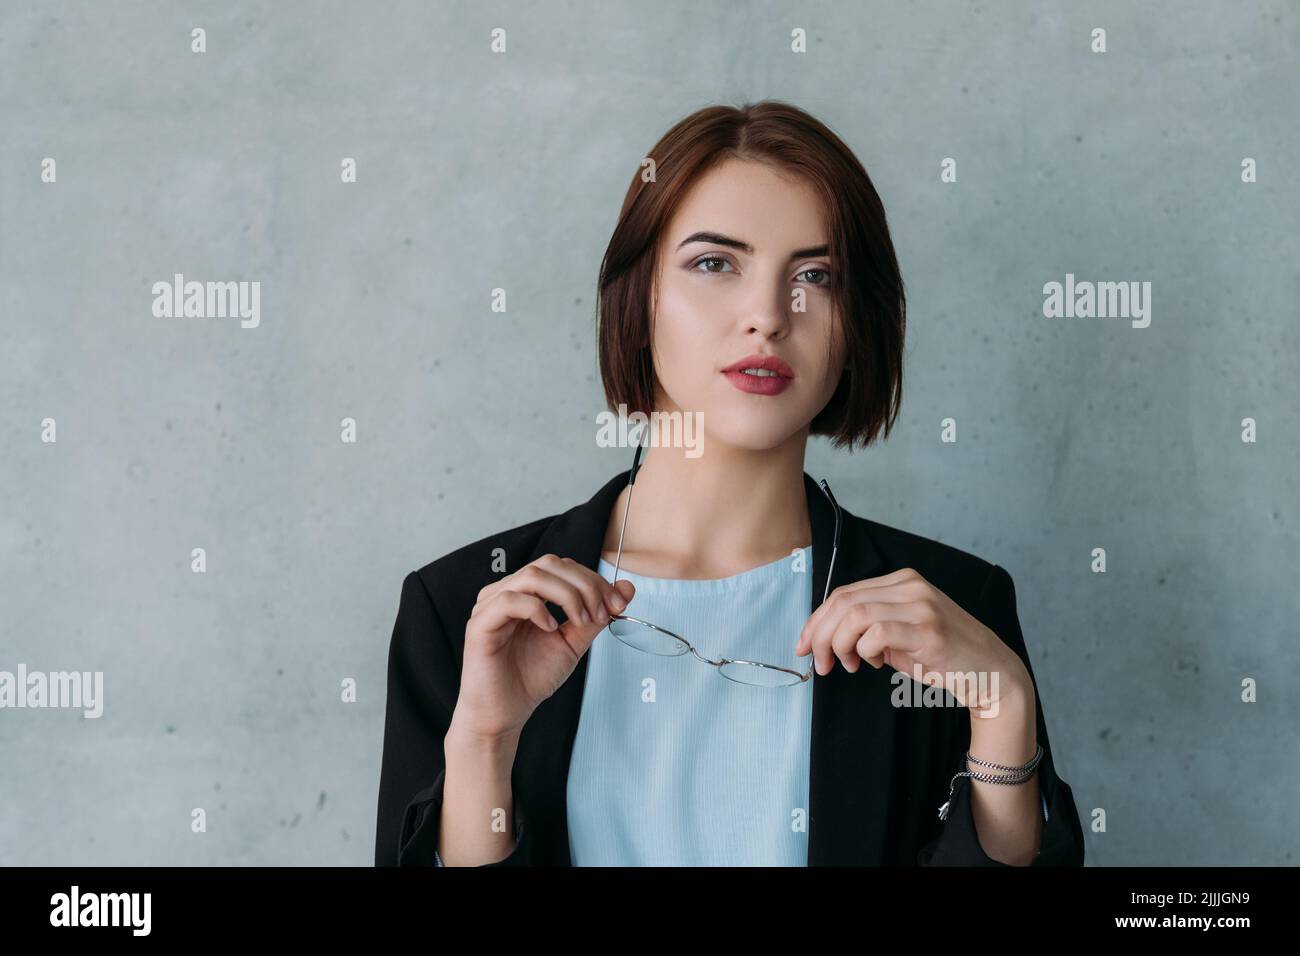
(1014, 775)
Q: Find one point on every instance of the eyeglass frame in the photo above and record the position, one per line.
(804, 677)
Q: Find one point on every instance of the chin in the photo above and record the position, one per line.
(750, 430)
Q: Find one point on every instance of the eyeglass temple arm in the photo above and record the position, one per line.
(636, 466)
(835, 549)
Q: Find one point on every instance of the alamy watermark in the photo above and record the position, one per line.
(665, 430)
(1102, 300)
(979, 689)
(102, 909)
(73, 689)
(179, 299)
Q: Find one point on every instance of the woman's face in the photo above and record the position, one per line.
(745, 252)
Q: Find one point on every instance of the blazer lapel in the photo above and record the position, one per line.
(851, 713)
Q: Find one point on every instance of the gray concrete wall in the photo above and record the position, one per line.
(222, 689)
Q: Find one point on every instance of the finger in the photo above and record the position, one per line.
(895, 636)
(838, 637)
(558, 590)
(562, 568)
(894, 592)
(842, 642)
(822, 622)
(604, 599)
(507, 607)
(593, 588)
(596, 594)
(620, 595)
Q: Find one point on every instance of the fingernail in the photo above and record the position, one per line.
(617, 602)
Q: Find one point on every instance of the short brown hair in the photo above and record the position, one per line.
(866, 282)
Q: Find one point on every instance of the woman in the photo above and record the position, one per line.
(751, 282)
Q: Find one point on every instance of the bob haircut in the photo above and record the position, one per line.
(866, 284)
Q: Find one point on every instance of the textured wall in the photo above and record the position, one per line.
(478, 170)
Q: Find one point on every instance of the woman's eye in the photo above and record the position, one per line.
(825, 275)
(698, 262)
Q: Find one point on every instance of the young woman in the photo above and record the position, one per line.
(681, 680)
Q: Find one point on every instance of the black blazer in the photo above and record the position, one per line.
(878, 773)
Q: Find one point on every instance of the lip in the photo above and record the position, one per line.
(760, 384)
(769, 362)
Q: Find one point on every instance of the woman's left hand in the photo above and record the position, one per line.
(902, 620)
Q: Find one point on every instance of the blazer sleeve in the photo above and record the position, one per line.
(958, 841)
(423, 685)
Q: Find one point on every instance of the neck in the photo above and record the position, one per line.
(721, 513)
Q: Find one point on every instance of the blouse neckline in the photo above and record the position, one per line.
(762, 576)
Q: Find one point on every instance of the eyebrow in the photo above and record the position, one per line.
(718, 239)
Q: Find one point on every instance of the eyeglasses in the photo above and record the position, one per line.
(652, 639)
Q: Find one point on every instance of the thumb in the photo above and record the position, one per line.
(626, 589)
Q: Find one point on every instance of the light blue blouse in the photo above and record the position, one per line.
(674, 764)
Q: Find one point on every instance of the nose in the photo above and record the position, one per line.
(766, 310)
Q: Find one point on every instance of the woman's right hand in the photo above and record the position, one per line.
(515, 654)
